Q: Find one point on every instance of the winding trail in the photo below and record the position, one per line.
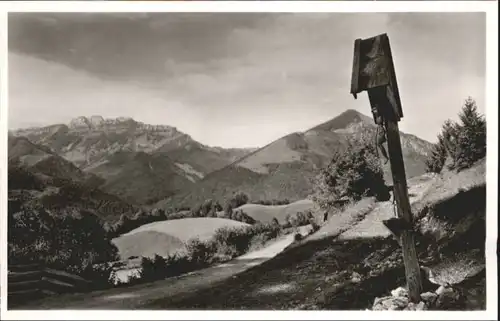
(134, 297)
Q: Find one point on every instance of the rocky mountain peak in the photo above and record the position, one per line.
(348, 120)
(96, 121)
(79, 123)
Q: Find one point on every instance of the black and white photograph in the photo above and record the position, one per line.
(305, 161)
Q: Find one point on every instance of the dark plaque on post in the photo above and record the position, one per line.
(373, 71)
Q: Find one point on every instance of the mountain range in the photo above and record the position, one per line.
(285, 168)
(140, 162)
(160, 166)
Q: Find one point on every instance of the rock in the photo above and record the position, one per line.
(440, 290)
(96, 121)
(390, 303)
(355, 277)
(429, 297)
(401, 302)
(416, 307)
(379, 303)
(448, 299)
(79, 122)
(399, 292)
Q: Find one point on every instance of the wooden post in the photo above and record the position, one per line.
(400, 190)
(373, 71)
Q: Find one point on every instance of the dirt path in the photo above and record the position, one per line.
(139, 295)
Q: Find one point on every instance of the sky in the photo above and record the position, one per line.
(236, 79)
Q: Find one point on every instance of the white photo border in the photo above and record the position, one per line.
(489, 7)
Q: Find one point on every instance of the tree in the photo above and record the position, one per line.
(228, 209)
(206, 207)
(352, 173)
(471, 142)
(239, 199)
(123, 225)
(437, 159)
(70, 241)
(158, 213)
(460, 144)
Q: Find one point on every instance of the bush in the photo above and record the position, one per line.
(235, 241)
(226, 244)
(351, 175)
(153, 269)
(238, 200)
(241, 216)
(314, 226)
(100, 275)
(75, 242)
(126, 224)
(200, 254)
(272, 202)
(208, 208)
(462, 143)
(228, 210)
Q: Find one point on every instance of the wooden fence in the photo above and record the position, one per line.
(33, 281)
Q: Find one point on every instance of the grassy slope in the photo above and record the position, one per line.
(141, 177)
(40, 159)
(147, 244)
(316, 273)
(265, 213)
(285, 167)
(168, 237)
(62, 196)
(204, 159)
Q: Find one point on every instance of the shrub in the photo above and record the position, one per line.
(208, 208)
(72, 241)
(238, 200)
(232, 241)
(351, 175)
(226, 244)
(228, 210)
(314, 226)
(126, 224)
(272, 202)
(241, 216)
(153, 268)
(235, 241)
(100, 275)
(200, 253)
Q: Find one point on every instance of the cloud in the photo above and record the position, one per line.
(46, 92)
(230, 79)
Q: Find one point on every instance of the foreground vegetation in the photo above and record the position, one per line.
(77, 241)
(226, 244)
(334, 272)
(351, 176)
